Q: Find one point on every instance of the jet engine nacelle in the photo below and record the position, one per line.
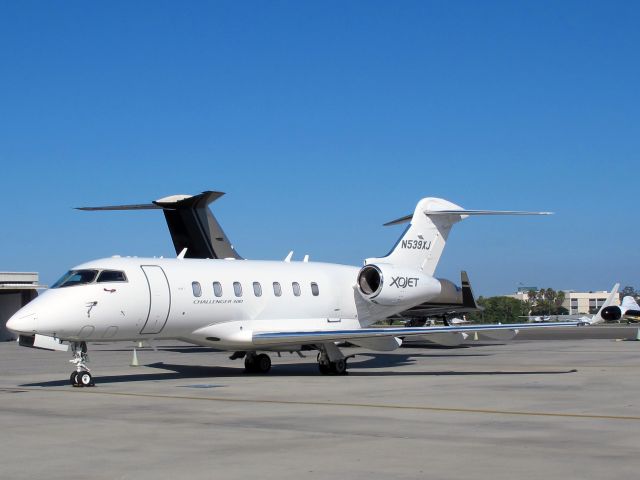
(388, 285)
(611, 313)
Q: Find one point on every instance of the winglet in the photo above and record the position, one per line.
(468, 299)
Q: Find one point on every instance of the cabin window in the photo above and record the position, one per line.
(111, 276)
(76, 277)
(237, 289)
(217, 289)
(314, 289)
(257, 289)
(197, 289)
(277, 289)
(296, 288)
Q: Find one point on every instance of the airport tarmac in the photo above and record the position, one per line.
(559, 407)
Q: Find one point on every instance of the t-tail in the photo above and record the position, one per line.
(404, 278)
(194, 229)
(422, 243)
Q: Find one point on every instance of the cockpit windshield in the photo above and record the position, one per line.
(76, 277)
(111, 276)
(82, 277)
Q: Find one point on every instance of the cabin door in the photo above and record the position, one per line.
(159, 299)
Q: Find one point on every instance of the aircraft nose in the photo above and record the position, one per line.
(22, 322)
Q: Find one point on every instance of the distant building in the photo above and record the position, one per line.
(16, 290)
(525, 290)
(574, 302)
(586, 302)
(523, 293)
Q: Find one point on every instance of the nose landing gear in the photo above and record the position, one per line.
(81, 376)
(254, 363)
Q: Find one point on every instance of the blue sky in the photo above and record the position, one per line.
(321, 121)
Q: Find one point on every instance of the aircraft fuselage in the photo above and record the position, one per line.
(173, 298)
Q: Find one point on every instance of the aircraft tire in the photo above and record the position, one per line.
(339, 367)
(85, 379)
(249, 364)
(324, 368)
(74, 379)
(263, 363)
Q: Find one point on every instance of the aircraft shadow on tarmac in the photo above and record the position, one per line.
(374, 364)
(380, 361)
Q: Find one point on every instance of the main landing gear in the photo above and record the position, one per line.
(331, 361)
(81, 376)
(254, 363)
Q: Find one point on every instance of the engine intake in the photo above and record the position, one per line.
(389, 285)
(370, 280)
(611, 313)
(632, 315)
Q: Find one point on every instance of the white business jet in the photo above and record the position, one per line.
(628, 311)
(606, 310)
(250, 307)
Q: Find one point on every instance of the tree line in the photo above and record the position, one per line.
(543, 302)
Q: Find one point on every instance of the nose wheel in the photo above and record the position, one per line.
(257, 363)
(81, 376)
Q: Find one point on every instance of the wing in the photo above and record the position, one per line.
(461, 300)
(322, 336)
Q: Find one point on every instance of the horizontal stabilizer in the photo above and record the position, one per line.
(172, 202)
(141, 206)
(462, 212)
(483, 212)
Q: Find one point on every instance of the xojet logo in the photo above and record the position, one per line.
(404, 282)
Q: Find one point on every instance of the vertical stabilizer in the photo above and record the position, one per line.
(597, 318)
(191, 224)
(422, 243)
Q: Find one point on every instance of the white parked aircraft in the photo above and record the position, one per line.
(539, 318)
(583, 319)
(250, 306)
(458, 321)
(628, 311)
(599, 316)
